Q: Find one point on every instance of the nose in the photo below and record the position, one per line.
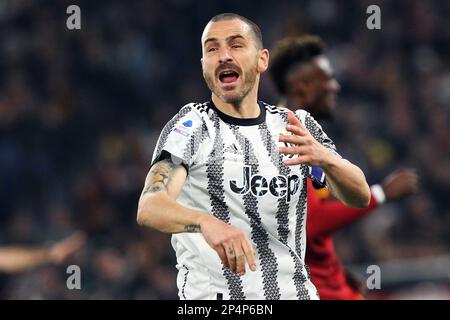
(224, 55)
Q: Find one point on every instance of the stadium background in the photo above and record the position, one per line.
(80, 112)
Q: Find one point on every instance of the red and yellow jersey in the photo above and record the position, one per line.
(325, 216)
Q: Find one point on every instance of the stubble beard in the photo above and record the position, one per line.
(236, 99)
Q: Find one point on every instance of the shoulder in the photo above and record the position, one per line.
(193, 120)
(195, 109)
(191, 115)
(302, 115)
(274, 109)
(283, 110)
(279, 113)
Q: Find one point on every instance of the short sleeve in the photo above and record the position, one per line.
(181, 137)
(316, 130)
(316, 174)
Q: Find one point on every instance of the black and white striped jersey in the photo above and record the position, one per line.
(236, 173)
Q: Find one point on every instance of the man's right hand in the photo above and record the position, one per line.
(231, 243)
(400, 183)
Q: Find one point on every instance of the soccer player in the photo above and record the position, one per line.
(302, 73)
(232, 189)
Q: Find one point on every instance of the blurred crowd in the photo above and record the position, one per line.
(80, 112)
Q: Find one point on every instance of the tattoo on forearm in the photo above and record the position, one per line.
(192, 228)
(159, 177)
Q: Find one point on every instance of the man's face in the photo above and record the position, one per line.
(316, 84)
(231, 62)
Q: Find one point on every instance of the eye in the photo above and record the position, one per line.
(212, 49)
(236, 46)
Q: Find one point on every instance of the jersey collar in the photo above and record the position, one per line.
(241, 121)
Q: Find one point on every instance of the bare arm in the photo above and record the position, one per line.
(329, 216)
(159, 209)
(17, 259)
(14, 259)
(346, 180)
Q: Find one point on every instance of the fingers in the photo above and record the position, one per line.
(231, 244)
(236, 254)
(288, 150)
(298, 130)
(231, 256)
(295, 161)
(412, 179)
(404, 177)
(401, 183)
(67, 247)
(249, 254)
(300, 138)
(403, 173)
(243, 250)
(294, 120)
(294, 139)
(300, 151)
(223, 256)
(239, 258)
(406, 170)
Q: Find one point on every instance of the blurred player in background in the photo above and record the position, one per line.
(303, 75)
(223, 183)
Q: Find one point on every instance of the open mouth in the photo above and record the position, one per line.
(228, 76)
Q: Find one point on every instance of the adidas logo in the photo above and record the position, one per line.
(233, 149)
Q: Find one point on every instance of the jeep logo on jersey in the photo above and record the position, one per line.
(279, 186)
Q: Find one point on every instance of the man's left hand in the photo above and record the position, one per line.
(308, 150)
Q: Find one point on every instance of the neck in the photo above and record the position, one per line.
(247, 108)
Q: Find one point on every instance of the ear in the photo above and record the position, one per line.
(263, 61)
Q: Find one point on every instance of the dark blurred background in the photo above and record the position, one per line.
(80, 112)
